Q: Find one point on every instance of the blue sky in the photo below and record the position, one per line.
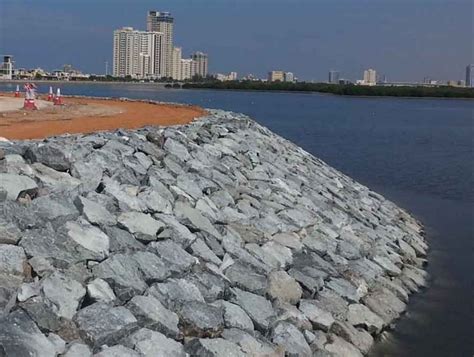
(403, 39)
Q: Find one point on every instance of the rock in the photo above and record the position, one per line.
(340, 347)
(151, 314)
(177, 258)
(153, 268)
(94, 212)
(175, 231)
(100, 324)
(320, 318)
(117, 351)
(213, 347)
(385, 304)
(200, 249)
(175, 292)
(65, 293)
(155, 202)
(99, 291)
(201, 320)
(290, 313)
(78, 350)
(243, 277)
(359, 338)
(53, 155)
(17, 185)
(12, 260)
(123, 274)
(54, 209)
(235, 316)
(141, 225)
(289, 337)
(150, 343)
(9, 234)
(53, 179)
(19, 336)
(344, 288)
(309, 278)
(28, 290)
(258, 308)
(58, 343)
(360, 315)
(90, 238)
(250, 345)
(290, 240)
(195, 220)
(283, 287)
(176, 148)
(387, 265)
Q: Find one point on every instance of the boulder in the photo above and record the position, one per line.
(77, 349)
(99, 291)
(282, 286)
(291, 339)
(361, 315)
(100, 324)
(150, 343)
(258, 308)
(177, 258)
(244, 277)
(199, 319)
(12, 260)
(94, 212)
(90, 238)
(141, 225)
(54, 155)
(213, 347)
(320, 319)
(117, 351)
(235, 316)
(17, 185)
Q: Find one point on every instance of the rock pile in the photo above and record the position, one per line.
(218, 238)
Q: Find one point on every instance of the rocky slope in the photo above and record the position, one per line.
(218, 238)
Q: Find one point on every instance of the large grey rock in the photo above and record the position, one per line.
(213, 347)
(141, 225)
(151, 314)
(117, 351)
(193, 218)
(385, 304)
(9, 233)
(16, 185)
(175, 292)
(89, 238)
(243, 277)
(258, 308)
(19, 336)
(235, 316)
(358, 337)
(65, 293)
(54, 180)
(123, 274)
(177, 258)
(94, 212)
(361, 315)
(150, 343)
(12, 260)
(201, 320)
(155, 202)
(291, 339)
(320, 318)
(251, 345)
(100, 324)
(153, 268)
(340, 347)
(77, 349)
(282, 286)
(99, 291)
(53, 155)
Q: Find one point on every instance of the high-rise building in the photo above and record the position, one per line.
(163, 22)
(470, 76)
(188, 69)
(275, 76)
(370, 77)
(202, 63)
(333, 77)
(176, 64)
(135, 52)
(6, 68)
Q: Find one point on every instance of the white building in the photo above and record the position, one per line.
(163, 22)
(289, 77)
(232, 76)
(188, 69)
(176, 63)
(135, 53)
(202, 63)
(370, 77)
(6, 68)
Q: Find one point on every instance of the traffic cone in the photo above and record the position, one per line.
(17, 92)
(50, 94)
(57, 99)
(29, 103)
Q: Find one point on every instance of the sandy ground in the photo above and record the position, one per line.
(79, 115)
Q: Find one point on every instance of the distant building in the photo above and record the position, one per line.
(470, 76)
(333, 77)
(202, 63)
(276, 76)
(232, 76)
(162, 22)
(188, 69)
(370, 77)
(289, 77)
(135, 53)
(176, 63)
(6, 68)
(461, 83)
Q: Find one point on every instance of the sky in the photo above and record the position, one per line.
(405, 40)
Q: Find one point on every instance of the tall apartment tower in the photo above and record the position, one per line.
(333, 77)
(202, 63)
(176, 64)
(470, 76)
(370, 77)
(163, 22)
(134, 53)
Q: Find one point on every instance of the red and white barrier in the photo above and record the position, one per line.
(50, 94)
(17, 92)
(29, 103)
(58, 99)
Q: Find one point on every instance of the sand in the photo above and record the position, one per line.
(80, 115)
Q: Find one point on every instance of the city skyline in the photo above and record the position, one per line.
(404, 50)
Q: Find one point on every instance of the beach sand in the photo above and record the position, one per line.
(84, 115)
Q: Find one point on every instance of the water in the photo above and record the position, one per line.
(417, 152)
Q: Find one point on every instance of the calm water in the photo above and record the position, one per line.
(417, 152)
